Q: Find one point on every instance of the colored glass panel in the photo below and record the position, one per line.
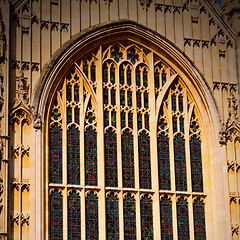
(139, 120)
(123, 121)
(129, 210)
(129, 76)
(91, 157)
(73, 155)
(121, 73)
(132, 56)
(69, 114)
(116, 54)
(106, 118)
(144, 161)
(199, 220)
(182, 219)
(112, 217)
(139, 100)
(76, 112)
(113, 118)
(164, 78)
(85, 69)
(174, 119)
(93, 72)
(69, 92)
(56, 215)
(92, 216)
(113, 96)
(146, 99)
(174, 106)
(55, 154)
(166, 218)
(130, 120)
(138, 80)
(128, 159)
(196, 164)
(76, 93)
(112, 74)
(74, 216)
(129, 98)
(146, 116)
(105, 73)
(105, 96)
(181, 122)
(122, 97)
(164, 162)
(146, 218)
(145, 78)
(156, 78)
(180, 103)
(111, 158)
(180, 163)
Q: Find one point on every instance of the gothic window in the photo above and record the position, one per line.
(125, 150)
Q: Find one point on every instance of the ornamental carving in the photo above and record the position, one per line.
(145, 3)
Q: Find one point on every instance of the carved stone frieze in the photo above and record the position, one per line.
(196, 42)
(20, 185)
(235, 229)
(20, 218)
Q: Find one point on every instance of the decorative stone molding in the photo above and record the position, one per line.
(64, 27)
(235, 229)
(145, 3)
(196, 42)
(24, 65)
(55, 26)
(24, 184)
(225, 86)
(20, 218)
(45, 24)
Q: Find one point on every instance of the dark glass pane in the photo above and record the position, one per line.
(145, 78)
(199, 220)
(166, 219)
(146, 99)
(111, 158)
(113, 96)
(164, 162)
(180, 163)
(112, 74)
(129, 76)
(112, 217)
(181, 121)
(138, 80)
(73, 155)
(55, 154)
(93, 72)
(130, 120)
(69, 114)
(182, 219)
(76, 93)
(196, 164)
(174, 107)
(123, 121)
(146, 121)
(180, 103)
(129, 210)
(92, 217)
(129, 96)
(74, 216)
(144, 161)
(122, 97)
(91, 157)
(116, 54)
(174, 119)
(105, 73)
(146, 218)
(76, 111)
(164, 78)
(85, 69)
(139, 100)
(105, 96)
(139, 120)
(56, 215)
(121, 75)
(156, 77)
(69, 92)
(113, 118)
(128, 159)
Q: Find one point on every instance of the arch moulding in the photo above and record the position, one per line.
(93, 37)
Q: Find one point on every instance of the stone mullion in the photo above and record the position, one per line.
(100, 148)
(138, 215)
(154, 155)
(121, 216)
(20, 178)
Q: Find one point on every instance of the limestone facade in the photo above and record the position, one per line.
(41, 41)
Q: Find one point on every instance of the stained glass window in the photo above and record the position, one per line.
(181, 122)
(69, 92)
(85, 69)
(199, 220)
(93, 72)
(56, 215)
(129, 209)
(196, 164)
(112, 74)
(114, 118)
(111, 158)
(180, 163)
(105, 73)
(146, 218)
(156, 77)
(112, 216)
(106, 118)
(182, 219)
(129, 98)
(92, 216)
(174, 106)
(91, 157)
(139, 120)
(129, 76)
(73, 155)
(164, 162)
(145, 78)
(121, 73)
(146, 116)
(166, 218)
(180, 103)
(69, 115)
(122, 98)
(76, 116)
(128, 159)
(138, 80)
(139, 100)
(113, 96)
(164, 78)
(55, 154)
(76, 93)
(130, 120)
(123, 121)
(144, 160)
(174, 119)
(74, 216)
